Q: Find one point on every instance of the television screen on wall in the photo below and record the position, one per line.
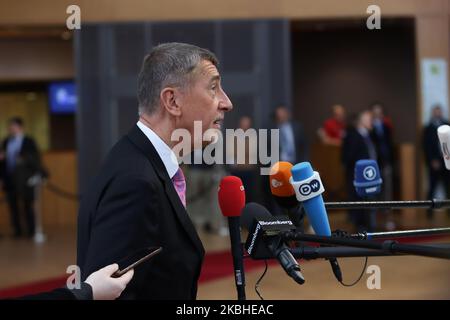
(62, 97)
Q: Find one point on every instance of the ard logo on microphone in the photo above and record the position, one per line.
(370, 173)
(307, 188)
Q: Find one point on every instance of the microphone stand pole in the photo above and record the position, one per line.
(344, 252)
(400, 234)
(418, 204)
(388, 246)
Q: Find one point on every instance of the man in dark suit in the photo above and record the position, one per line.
(358, 145)
(293, 148)
(138, 198)
(293, 145)
(433, 155)
(382, 137)
(20, 160)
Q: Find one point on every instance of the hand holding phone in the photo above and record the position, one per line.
(135, 259)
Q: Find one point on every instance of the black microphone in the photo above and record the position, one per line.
(259, 222)
(231, 201)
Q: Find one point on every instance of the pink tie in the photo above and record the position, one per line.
(180, 185)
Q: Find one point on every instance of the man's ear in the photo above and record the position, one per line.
(170, 100)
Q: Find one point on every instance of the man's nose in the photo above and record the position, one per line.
(225, 102)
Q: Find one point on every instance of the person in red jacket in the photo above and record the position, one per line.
(333, 129)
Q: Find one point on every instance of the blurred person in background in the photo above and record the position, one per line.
(246, 171)
(293, 143)
(202, 181)
(383, 139)
(433, 156)
(293, 148)
(358, 145)
(20, 161)
(333, 130)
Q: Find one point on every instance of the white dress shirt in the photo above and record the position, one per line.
(165, 153)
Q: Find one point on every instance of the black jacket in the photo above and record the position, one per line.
(386, 154)
(354, 148)
(132, 204)
(301, 144)
(431, 144)
(27, 165)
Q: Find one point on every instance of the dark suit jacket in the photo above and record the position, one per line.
(84, 293)
(28, 165)
(431, 144)
(387, 157)
(132, 204)
(301, 144)
(353, 149)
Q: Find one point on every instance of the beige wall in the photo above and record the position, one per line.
(35, 60)
(432, 26)
(54, 11)
(32, 107)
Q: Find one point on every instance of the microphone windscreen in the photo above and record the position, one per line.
(367, 179)
(280, 173)
(253, 211)
(231, 196)
(444, 140)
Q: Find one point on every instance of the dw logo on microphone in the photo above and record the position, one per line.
(307, 188)
(369, 173)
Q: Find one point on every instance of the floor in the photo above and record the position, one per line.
(403, 277)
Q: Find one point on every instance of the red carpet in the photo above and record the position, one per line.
(215, 266)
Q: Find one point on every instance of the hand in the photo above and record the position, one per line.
(104, 287)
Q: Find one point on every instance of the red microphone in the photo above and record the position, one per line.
(231, 202)
(231, 196)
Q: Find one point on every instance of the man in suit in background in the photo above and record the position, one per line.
(358, 145)
(382, 137)
(138, 198)
(433, 156)
(20, 160)
(293, 145)
(293, 148)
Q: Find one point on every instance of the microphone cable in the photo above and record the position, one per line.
(259, 281)
(359, 278)
(344, 234)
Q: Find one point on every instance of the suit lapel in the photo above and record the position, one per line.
(139, 139)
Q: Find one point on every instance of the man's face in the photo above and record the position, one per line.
(282, 115)
(245, 123)
(14, 129)
(377, 111)
(204, 100)
(339, 112)
(366, 120)
(437, 113)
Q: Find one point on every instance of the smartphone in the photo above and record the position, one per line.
(135, 259)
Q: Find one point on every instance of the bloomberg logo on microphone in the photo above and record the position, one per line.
(307, 188)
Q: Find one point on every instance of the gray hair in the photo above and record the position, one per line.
(168, 64)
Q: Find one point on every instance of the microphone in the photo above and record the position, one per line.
(367, 179)
(283, 193)
(231, 201)
(308, 190)
(444, 140)
(263, 242)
